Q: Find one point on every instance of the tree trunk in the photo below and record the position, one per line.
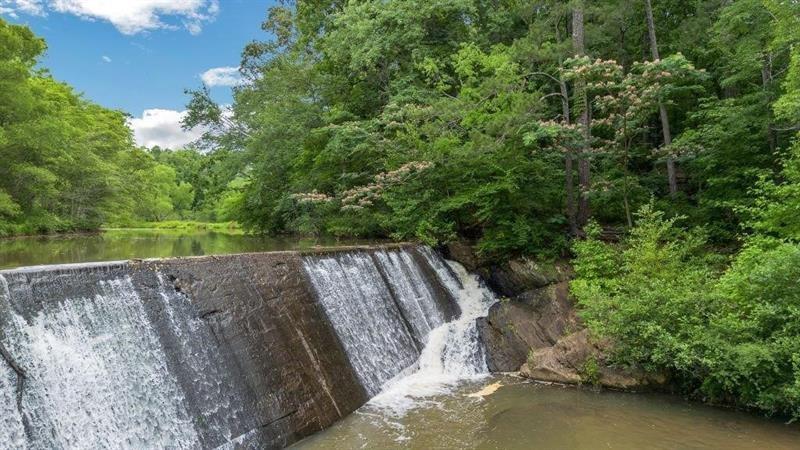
(651, 31)
(578, 44)
(766, 80)
(568, 156)
(568, 169)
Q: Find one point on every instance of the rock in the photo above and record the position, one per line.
(523, 274)
(577, 359)
(465, 254)
(536, 319)
(561, 362)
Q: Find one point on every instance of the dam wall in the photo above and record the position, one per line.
(237, 351)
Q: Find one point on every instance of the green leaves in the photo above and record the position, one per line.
(733, 336)
(8, 207)
(776, 209)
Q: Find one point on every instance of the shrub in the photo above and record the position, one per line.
(729, 336)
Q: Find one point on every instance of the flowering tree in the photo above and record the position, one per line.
(624, 104)
(361, 197)
(622, 109)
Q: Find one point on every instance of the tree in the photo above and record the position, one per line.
(662, 111)
(584, 108)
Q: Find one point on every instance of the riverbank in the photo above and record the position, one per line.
(180, 225)
(535, 328)
(539, 330)
(26, 231)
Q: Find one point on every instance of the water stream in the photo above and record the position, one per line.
(395, 330)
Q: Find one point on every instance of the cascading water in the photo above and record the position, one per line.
(453, 352)
(417, 301)
(360, 308)
(252, 351)
(97, 372)
(371, 325)
(95, 375)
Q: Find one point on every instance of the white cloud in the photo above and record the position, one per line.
(162, 127)
(105, 58)
(129, 16)
(9, 11)
(10, 7)
(221, 76)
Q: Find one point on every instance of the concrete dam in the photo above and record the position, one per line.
(237, 351)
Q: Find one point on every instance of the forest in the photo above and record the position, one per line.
(654, 142)
(71, 165)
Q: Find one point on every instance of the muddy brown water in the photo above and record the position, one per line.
(524, 415)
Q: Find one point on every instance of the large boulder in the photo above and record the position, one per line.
(509, 278)
(579, 359)
(464, 253)
(533, 320)
(521, 275)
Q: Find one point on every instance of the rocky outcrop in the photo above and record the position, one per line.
(509, 278)
(577, 359)
(535, 328)
(532, 320)
(519, 276)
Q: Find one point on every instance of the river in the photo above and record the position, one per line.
(525, 415)
(120, 244)
(430, 388)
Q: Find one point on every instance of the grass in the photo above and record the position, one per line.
(183, 225)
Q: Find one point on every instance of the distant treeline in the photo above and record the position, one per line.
(69, 164)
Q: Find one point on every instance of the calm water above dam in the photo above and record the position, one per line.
(120, 244)
(531, 416)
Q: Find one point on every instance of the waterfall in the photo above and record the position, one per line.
(242, 351)
(96, 376)
(453, 352)
(380, 306)
(361, 310)
(98, 371)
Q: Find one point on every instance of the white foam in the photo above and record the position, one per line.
(453, 352)
(97, 376)
(12, 431)
(365, 317)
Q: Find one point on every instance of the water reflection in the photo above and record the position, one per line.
(114, 245)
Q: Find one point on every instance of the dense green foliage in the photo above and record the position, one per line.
(725, 326)
(484, 99)
(727, 334)
(69, 164)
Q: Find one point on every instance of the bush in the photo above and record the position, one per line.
(729, 336)
(756, 330)
(648, 294)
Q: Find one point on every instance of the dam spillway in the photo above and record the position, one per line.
(238, 351)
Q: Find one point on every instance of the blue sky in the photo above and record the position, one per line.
(139, 55)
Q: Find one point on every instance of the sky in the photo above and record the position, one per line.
(139, 55)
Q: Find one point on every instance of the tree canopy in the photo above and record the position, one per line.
(489, 96)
